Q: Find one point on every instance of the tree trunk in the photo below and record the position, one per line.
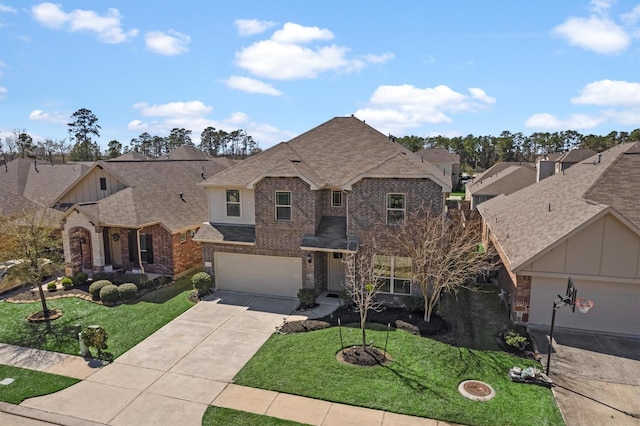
(363, 323)
(43, 300)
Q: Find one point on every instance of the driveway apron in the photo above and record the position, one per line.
(174, 374)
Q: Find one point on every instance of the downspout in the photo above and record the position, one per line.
(139, 252)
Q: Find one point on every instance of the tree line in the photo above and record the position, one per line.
(83, 129)
(481, 152)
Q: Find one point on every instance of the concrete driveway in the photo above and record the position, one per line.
(172, 376)
(597, 377)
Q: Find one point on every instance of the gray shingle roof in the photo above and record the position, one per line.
(533, 220)
(153, 194)
(438, 156)
(576, 155)
(335, 154)
(506, 181)
(497, 168)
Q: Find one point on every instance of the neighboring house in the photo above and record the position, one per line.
(136, 216)
(285, 219)
(27, 183)
(445, 161)
(572, 157)
(584, 224)
(502, 178)
(546, 165)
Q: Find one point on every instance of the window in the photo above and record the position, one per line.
(192, 233)
(146, 248)
(233, 202)
(395, 273)
(103, 184)
(183, 237)
(283, 206)
(395, 208)
(336, 198)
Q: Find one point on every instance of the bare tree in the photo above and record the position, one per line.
(446, 254)
(31, 238)
(362, 283)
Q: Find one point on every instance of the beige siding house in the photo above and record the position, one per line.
(583, 224)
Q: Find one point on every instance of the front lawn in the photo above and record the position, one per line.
(215, 416)
(29, 384)
(126, 324)
(422, 380)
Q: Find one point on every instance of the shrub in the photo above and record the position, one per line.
(82, 277)
(96, 286)
(96, 337)
(67, 282)
(307, 298)
(202, 282)
(51, 286)
(109, 293)
(515, 339)
(414, 303)
(127, 291)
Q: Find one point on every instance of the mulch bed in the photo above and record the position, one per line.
(80, 290)
(412, 322)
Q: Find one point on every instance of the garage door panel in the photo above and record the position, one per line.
(270, 275)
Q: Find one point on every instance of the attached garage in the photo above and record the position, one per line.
(248, 273)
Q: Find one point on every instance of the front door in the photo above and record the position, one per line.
(335, 268)
(116, 250)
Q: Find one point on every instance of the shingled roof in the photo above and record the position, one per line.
(535, 219)
(153, 194)
(438, 156)
(336, 154)
(506, 181)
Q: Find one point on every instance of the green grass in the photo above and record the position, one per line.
(126, 324)
(457, 194)
(422, 380)
(227, 417)
(29, 383)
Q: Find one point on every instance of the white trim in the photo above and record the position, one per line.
(276, 205)
(227, 202)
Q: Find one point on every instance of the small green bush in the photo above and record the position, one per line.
(127, 291)
(95, 337)
(67, 282)
(307, 298)
(51, 286)
(96, 286)
(202, 283)
(515, 339)
(109, 293)
(82, 277)
(414, 303)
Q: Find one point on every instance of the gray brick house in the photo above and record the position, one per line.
(284, 219)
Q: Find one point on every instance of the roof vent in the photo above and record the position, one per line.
(202, 174)
(295, 161)
(549, 207)
(599, 157)
(35, 166)
(182, 197)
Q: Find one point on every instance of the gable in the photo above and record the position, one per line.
(89, 187)
(606, 247)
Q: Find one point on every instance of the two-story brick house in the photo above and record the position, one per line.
(285, 218)
(136, 215)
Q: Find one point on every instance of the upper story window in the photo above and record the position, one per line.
(336, 198)
(233, 202)
(394, 272)
(396, 206)
(283, 206)
(103, 184)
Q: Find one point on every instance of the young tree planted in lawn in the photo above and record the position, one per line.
(362, 283)
(30, 237)
(447, 254)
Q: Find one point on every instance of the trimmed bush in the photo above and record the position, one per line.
(51, 286)
(109, 293)
(202, 282)
(66, 282)
(82, 277)
(307, 298)
(95, 337)
(127, 291)
(96, 286)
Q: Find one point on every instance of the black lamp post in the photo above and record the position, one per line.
(569, 299)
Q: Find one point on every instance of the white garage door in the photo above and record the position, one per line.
(271, 275)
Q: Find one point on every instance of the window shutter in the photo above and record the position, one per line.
(133, 246)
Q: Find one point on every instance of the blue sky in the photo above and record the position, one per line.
(279, 68)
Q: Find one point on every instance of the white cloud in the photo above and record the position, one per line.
(600, 35)
(169, 44)
(630, 18)
(609, 92)
(107, 26)
(395, 109)
(3, 92)
(630, 117)
(138, 125)
(481, 95)
(549, 122)
(378, 59)
(250, 85)
(7, 9)
(299, 52)
(599, 6)
(174, 109)
(48, 117)
(252, 26)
